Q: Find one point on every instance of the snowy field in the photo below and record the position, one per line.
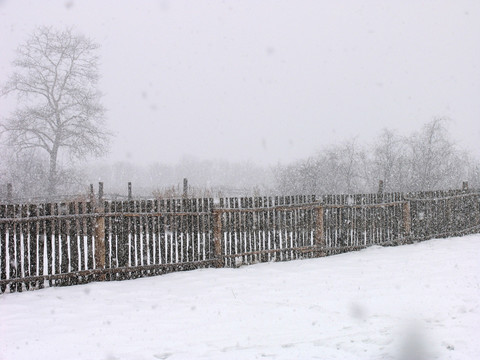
(413, 302)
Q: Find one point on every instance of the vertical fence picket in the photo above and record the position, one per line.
(195, 243)
(3, 248)
(25, 244)
(320, 229)
(233, 220)
(169, 234)
(149, 229)
(192, 244)
(202, 229)
(283, 229)
(76, 238)
(109, 238)
(248, 240)
(32, 242)
(242, 241)
(73, 235)
(177, 246)
(154, 235)
(179, 231)
(253, 204)
(236, 246)
(181, 226)
(297, 234)
(18, 245)
(307, 221)
(124, 247)
(59, 238)
(55, 243)
(12, 273)
(82, 238)
(127, 246)
(142, 235)
(162, 235)
(270, 227)
(185, 225)
(275, 241)
(112, 234)
(184, 228)
(41, 244)
(136, 244)
(310, 226)
(90, 227)
(209, 224)
(261, 229)
(49, 244)
(64, 230)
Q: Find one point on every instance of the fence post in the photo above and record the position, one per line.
(100, 232)
(319, 232)
(129, 191)
(185, 188)
(217, 238)
(380, 187)
(380, 191)
(91, 194)
(407, 220)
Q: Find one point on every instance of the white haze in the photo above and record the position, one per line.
(270, 81)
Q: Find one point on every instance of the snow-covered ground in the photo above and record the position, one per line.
(418, 301)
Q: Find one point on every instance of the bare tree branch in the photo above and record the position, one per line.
(59, 105)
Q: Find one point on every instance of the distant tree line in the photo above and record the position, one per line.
(206, 178)
(426, 159)
(423, 160)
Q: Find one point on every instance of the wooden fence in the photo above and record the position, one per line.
(66, 243)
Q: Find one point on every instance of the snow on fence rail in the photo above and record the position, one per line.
(56, 244)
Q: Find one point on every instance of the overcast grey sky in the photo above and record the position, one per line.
(267, 81)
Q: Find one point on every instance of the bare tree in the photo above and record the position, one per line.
(340, 168)
(59, 108)
(350, 166)
(425, 160)
(434, 161)
(389, 161)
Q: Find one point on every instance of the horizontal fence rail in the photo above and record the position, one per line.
(67, 243)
